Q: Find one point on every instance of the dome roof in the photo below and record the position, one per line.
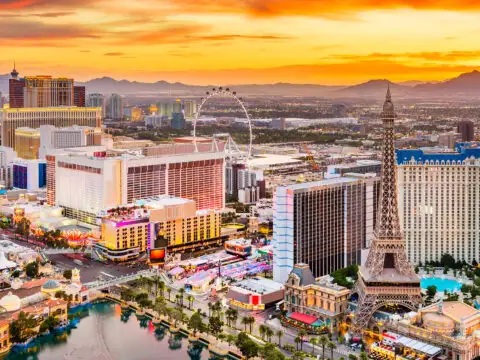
(50, 286)
(10, 302)
(438, 322)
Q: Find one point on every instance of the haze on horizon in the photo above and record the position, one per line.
(232, 42)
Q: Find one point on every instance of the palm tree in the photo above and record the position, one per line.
(323, 342)
(268, 334)
(331, 345)
(210, 308)
(156, 280)
(216, 308)
(279, 334)
(169, 291)
(251, 321)
(297, 340)
(313, 341)
(261, 330)
(161, 288)
(181, 292)
(190, 300)
(245, 321)
(302, 334)
(231, 315)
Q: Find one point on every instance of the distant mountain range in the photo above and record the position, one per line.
(466, 85)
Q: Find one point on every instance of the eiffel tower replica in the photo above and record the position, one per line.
(387, 278)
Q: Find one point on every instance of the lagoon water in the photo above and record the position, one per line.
(104, 333)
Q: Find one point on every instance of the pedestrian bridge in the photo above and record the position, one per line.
(103, 284)
(51, 251)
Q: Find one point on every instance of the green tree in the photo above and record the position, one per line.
(196, 323)
(352, 357)
(32, 269)
(245, 321)
(363, 356)
(249, 348)
(21, 329)
(230, 339)
(190, 300)
(67, 274)
(269, 333)
(169, 291)
(161, 288)
(431, 291)
(298, 355)
(279, 335)
(50, 323)
(447, 260)
(177, 316)
(323, 342)
(261, 331)
(231, 316)
(297, 341)
(215, 325)
(181, 292)
(331, 346)
(313, 341)
(251, 321)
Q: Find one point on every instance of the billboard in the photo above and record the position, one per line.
(157, 256)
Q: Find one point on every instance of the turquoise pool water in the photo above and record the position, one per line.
(441, 284)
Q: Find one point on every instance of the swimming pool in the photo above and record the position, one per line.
(441, 284)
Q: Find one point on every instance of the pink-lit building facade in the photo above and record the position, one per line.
(85, 182)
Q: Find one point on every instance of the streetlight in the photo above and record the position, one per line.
(398, 349)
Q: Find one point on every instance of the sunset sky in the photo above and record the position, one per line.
(241, 41)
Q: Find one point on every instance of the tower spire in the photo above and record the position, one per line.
(386, 277)
(14, 72)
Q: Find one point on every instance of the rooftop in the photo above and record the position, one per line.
(319, 183)
(462, 152)
(162, 200)
(455, 310)
(272, 159)
(258, 285)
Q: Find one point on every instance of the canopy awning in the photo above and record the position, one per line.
(304, 318)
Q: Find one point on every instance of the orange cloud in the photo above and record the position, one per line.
(325, 8)
(427, 55)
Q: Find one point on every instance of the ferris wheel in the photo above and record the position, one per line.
(226, 93)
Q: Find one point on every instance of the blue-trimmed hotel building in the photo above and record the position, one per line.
(439, 202)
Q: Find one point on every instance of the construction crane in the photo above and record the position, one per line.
(310, 158)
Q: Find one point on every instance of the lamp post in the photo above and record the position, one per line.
(398, 349)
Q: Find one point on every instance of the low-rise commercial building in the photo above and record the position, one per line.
(322, 300)
(255, 293)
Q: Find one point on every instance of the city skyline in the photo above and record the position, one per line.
(224, 42)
